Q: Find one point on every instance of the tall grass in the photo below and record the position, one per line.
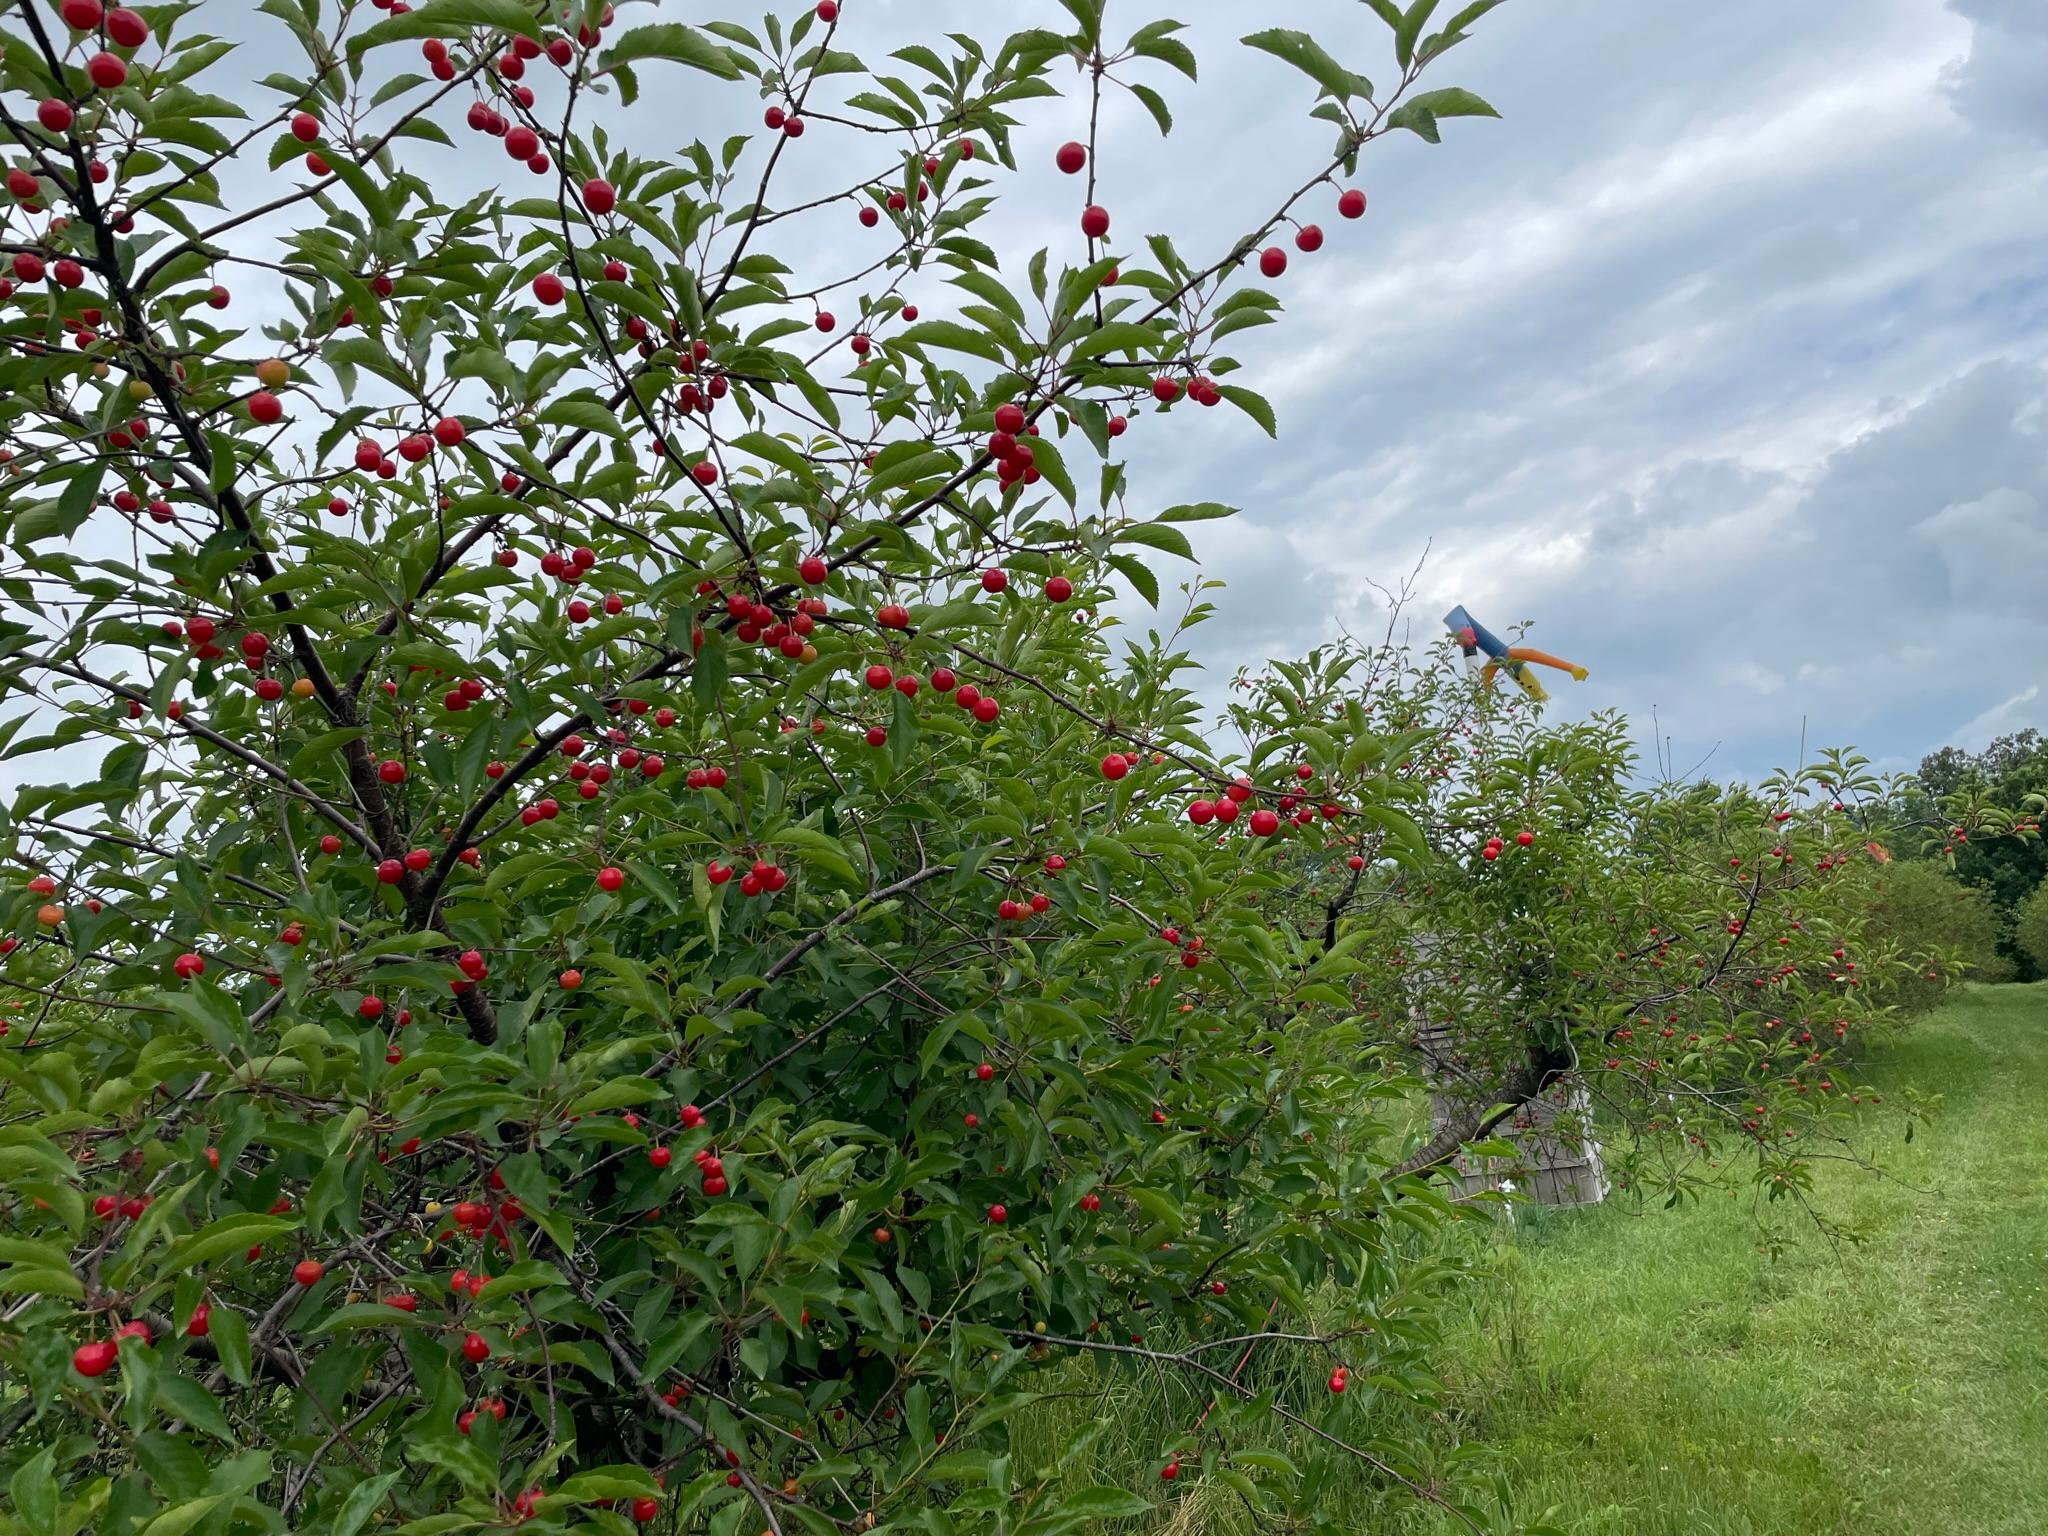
(1629, 1372)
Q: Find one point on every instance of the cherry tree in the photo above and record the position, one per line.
(625, 947)
(1571, 953)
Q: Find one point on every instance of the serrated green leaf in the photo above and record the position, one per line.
(671, 40)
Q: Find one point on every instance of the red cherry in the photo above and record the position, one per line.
(94, 1359)
(1264, 823)
(1114, 767)
(1058, 589)
(1071, 157)
(475, 1348)
(106, 71)
(307, 1273)
(265, 408)
(1308, 238)
(54, 115)
(813, 570)
(1094, 221)
(1010, 419)
(610, 878)
(1272, 261)
(548, 288)
(126, 29)
(1352, 204)
(997, 1215)
(598, 195)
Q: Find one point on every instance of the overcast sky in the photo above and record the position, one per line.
(1720, 357)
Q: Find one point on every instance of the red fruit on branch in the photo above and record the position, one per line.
(95, 1359)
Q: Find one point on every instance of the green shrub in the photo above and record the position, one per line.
(2030, 928)
(1921, 909)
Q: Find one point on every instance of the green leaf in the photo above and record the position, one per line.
(35, 1494)
(1158, 536)
(1197, 512)
(956, 337)
(707, 672)
(180, 1518)
(366, 190)
(1154, 103)
(1118, 336)
(1417, 120)
(584, 414)
(1168, 50)
(360, 1504)
(1454, 102)
(1139, 575)
(527, 1275)
(616, 1482)
(1467, 16)
(75, 505)
(230, 1334)
(449, 18)
(184, 1398)
(225, 1236)
(1412, 23)
(671, 40)
(1252, 405)
(1308, 56)
(29, 1280)
(1103, 1502)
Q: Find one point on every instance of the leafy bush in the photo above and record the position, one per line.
(608, 938)
(1944, 930)
(2030, 928)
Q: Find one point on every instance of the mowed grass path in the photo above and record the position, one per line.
(1651, 1374)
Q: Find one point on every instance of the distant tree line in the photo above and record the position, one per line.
(1984, 896)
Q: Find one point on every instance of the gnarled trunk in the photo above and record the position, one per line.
(1537, 1102)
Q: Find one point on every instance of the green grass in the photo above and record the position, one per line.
(1650, 1374)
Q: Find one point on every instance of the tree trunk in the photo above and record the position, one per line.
(1541, 1101)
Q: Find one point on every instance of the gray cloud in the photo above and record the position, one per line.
(1998, 82)
(1721, 357)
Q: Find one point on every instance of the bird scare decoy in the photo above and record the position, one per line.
(1474, 637)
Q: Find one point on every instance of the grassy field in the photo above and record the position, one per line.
(1650, 1373)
